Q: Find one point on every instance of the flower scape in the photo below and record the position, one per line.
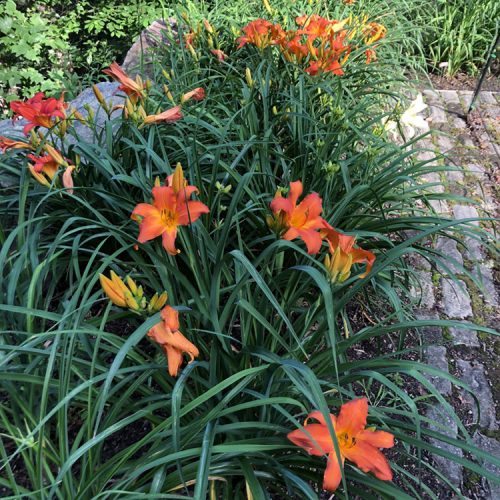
(243, 210)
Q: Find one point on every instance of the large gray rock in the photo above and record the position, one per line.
(140, 56)
(423, 290)
(456, 299)
(442, 422)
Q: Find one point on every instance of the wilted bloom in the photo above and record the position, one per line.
(198, 94)
(219, 54)
(39, 111)
(170, 209)
(67, 178)
(302, 220)
(343, 255)
(6, 144)
(172, 341)
(169, 116)
(356, 442)
(135, 89)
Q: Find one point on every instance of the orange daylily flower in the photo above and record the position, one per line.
(374, 32)
(356, 442)
(172, 341)
(198, 94)
(6, 144)
(259, 33)
(169, 116)
(45, 165)
(39, 111)
(343, 255)
(302, 220)
(170, 209)
(134, 89)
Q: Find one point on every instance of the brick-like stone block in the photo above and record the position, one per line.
(456, 299)
(435, 356)
(423, 290)
(466, 212)
(464, 336)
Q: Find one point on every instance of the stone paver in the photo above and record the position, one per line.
(466, 212)
(453, 258)
(464, 336)
(435, 355)
(492, 446)
(444, 424)
(423, 290)
(485, 276)
(456, 299)
(474, 375)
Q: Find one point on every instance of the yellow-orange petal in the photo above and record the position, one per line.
(369, 459)
(170, 316)
(333, 473)
(378, 439)
(174, 359)
(352, 416)
(314, 439)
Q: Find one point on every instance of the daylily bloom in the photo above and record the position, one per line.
(46, 166)
(198, 94)
(172, 341)
(374, 32)
(302, 220)
(259, 33)
(135, 89)
(39, 111)
(170, 209)
(219, 54)
(6, 144)
(410, 118)
(356, 442)
(343, 255)
(169, 116)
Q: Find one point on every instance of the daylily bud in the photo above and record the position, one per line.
(55, 154)
(131, 301)
(114, 293)
(275, 110)
(210, 42)
(39, 177)
(157, 182)
(162, 300)
(129, 107)
(208, 26)
(131, 284)
(140, 292)
(248, 76)
(267, 6)
(99, 96)
(67, 179)
(178, 182)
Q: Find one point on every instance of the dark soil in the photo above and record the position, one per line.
(462, 81)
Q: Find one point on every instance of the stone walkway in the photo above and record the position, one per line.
(472, 145)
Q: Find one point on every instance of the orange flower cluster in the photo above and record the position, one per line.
(291, 220)
(318, 40)
(323, 44)
(356, 442)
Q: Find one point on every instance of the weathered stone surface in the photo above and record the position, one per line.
(433, 178)
(12, 129)
(435, 355)
(485, 276)
(465, 212)
(438, 116)
(431, 97)
(439, 206)
(473, 375)
(426, 155)
(464, 336)
(418, 262)
(487, 98)
(449, 96)
(452, 257)
(456, 176)
(456, 299)
(430, 334)
(423, 290)
(442, 422)
(466, 98)
(477, 171)
(140, 55)
(473, 248)
(491, 446)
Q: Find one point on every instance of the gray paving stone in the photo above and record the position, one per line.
(465, 212)
(445, 143)
(453, 258)
(473, 375)
(439, 206)
(464, 336)
(418, 262)
(423, 290)
(491, 446)
(458, 122)
(426, 156)
(430, 334)
(477, 171)
(431, 97)
(435, 355)
(456, 176)
(442, 422)
(487, 98)
(456, 299)
(485, 276)
(433, 178)
(438, 115)
(473, 249)
(449, 96)
(466, 98)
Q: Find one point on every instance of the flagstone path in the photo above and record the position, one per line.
(472, 145)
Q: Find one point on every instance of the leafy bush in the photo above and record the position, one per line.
(89, 406)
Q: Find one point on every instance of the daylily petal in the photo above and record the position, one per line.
(191, 211)
(180, 342)
(164, 197)
(333, 474)
(369, 459)
(174, 359)
(378, 439)
(151, 227)
(159, 333)
(315, 439)
(312, 239)
(280, 203)
(352, 416)
(168, 240)
(359, 255)
(171, 317)
(317, 415)
(296, 189)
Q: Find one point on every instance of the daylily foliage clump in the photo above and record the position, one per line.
(213, 297)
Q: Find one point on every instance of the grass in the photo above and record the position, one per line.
(90, 410)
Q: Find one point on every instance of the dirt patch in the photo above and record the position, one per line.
(461, 81)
